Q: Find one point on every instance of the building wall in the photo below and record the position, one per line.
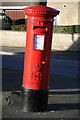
(79, 13)
(68, 12)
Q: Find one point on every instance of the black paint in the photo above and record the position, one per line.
(34, 100)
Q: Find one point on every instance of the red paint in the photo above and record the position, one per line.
(37, 58)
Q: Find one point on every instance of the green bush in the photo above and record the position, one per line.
(67, 29)
(56, 29)
(18, 28)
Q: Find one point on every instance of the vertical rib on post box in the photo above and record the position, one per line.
(37, 57)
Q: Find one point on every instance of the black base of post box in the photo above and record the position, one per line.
(34, 100)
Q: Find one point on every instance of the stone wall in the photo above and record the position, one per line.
(60, 42)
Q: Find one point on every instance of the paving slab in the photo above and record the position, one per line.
(59, 106)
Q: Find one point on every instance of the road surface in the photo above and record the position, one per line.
(64, 73)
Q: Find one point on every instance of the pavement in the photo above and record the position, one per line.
(59, 106)
(63, 100)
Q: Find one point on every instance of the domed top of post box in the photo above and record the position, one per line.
(41, 11)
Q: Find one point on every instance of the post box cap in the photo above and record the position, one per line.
(41, 11)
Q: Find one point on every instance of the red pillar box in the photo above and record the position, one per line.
(37, 57)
